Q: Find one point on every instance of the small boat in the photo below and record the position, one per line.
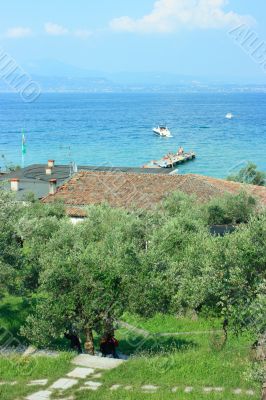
(229, 116)
(162, 131)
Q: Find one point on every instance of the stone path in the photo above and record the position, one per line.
(42, 395)
(145, 333)
(26, 351)
(102, 363)
(38, 382)
(188, 333)
(134, 329)
(88, 367)
(81, 373)
(64, 384)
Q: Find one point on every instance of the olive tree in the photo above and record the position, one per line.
(86, 273)
(230, 209)
(37, 224)
(249, 174)
(11, 255)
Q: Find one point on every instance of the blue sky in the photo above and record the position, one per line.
(186, 37)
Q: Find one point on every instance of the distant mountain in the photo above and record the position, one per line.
(51, 68)
(54, 68)
(56, 76)
(152, 78)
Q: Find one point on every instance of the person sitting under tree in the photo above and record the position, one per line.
(74, 341)
(108, 346)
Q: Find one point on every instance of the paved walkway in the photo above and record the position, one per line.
(87, 374)
(102, 363)
(145, 333)
(86, 366)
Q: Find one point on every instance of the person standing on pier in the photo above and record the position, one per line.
(180, 151)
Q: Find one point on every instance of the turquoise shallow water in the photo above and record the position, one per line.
(116, 129)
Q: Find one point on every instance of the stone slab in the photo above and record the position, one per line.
(149, 388)
(207, 389)
(115, 387)
(85, 360)
(8, 383)
(98, 375)
(83, 388)
(250, 393)
(64, 384)
(67, 398)
(237, 391)
(38, 382)
(93, 385)
(41, 395)
(81, 373)
(219, 389)
(46, 353)
(29, 351)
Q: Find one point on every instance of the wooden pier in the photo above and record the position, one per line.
(171, 160)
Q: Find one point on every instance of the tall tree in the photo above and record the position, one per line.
(249, 174)
(11, 255)
(86, 270)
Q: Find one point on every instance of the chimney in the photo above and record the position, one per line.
(48, 171)
(14, 184)
(51, 163)
(52, 186)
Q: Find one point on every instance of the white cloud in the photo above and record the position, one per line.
(82, 33)
(55, 29)
(169, 15)
(59, 30)
(18, 32)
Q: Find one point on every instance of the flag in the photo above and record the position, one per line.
(23, 145)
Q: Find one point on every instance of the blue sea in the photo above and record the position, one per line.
(116, 129)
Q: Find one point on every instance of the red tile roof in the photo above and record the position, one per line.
(76, 212)
(143, 191)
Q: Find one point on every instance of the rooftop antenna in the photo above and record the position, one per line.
(72, 164)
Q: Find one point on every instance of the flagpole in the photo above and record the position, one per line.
(23, 149)
(22, 152)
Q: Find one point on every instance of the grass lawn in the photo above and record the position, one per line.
(186, 360)
(196, 360)
(171, 324)
(22, 371)
(13, 312)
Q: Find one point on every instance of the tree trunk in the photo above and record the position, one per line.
(261, 348)
(263, 395)
(108, 326)
(225, 330)
(261, 356)
(89, 344)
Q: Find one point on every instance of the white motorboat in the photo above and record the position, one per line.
(229, 116)
(162, 131)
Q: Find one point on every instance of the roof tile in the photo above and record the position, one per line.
(142, 190)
